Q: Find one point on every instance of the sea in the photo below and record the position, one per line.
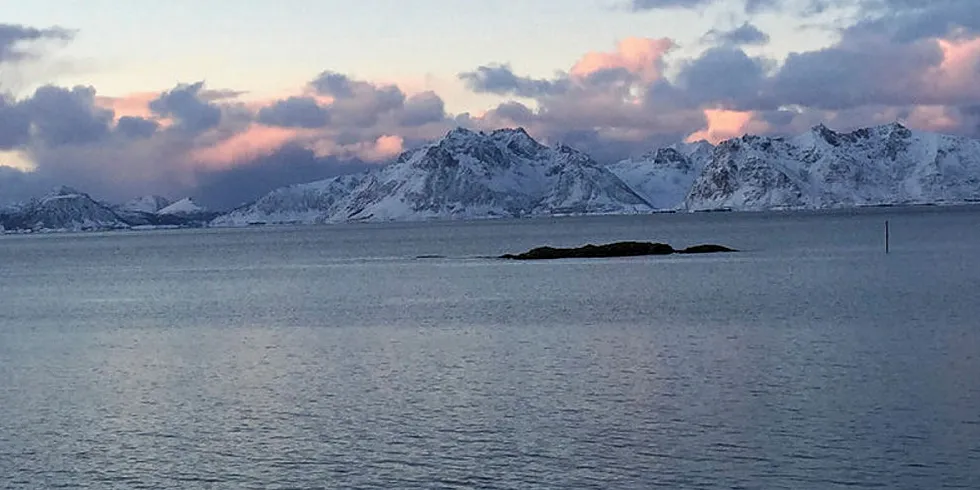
(404, 355)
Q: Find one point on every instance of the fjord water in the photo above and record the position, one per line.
(334, 357)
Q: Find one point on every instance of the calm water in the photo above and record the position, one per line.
(331, 357)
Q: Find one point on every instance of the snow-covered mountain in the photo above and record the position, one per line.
(315, 202)
(185, 206)
(664, 177)
(506, 173)
(464, 175)
(145, 204)
(825, 169)
(62, 209)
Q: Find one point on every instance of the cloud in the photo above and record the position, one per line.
(135, 104)
(136, 127)
(723, 124)
(639, 56)
(14, 37)
(15, 124)
(749, 6)
(912, 20)
(724, 76)
(334, 84)
(295, 112)
(292, 164)
(642, 5)
(18, 186)
(355, 102)
(256, 141)
(423, 108)
(213, 95)
(611, 102)
(872, 70)
(744, 35)
(500, 79)
(63, 116)
(185, 104)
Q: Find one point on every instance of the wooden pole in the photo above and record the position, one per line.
(887, 238)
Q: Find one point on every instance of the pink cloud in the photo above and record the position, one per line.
(136, 104)
(640, 56)
(256, 140)
(937, 119)
(384, 148)
(388, 146)
(958, 72)
(724, 124)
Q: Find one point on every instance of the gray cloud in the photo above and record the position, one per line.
(136, 127)
(641, 5)
(185, 104)
(513, 111)
(333, 84)
(750, 6)
(743, 35)
(240, 184)
(298, 112)
(213, 95)
(63, 116)
(500, 79)
(609, 76)
(880, 69)
(18, 186)
(357, 103)
(14, 36)
(724, 76)
(854, 74)
(366, 104)
(912, 20)
(423, 108)
(756, 6)
(15, 124)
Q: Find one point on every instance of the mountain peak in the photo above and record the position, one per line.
(183, 206)
(460, 132)
(827, 134)
(146, 204)
(518, 131)
(64, 190)
(822, 129)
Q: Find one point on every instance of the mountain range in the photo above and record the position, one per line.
(68, 209)
(466, 174)
(506, 173)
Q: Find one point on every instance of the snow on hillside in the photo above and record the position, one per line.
(145, 204)
(824, 169)
(664, 176)
(183, 206)
(64, 209)
(466, 174)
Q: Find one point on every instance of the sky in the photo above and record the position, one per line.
(225, 100)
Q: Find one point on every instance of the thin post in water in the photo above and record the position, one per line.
(887, 238)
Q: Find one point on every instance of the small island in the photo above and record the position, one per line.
(617, 249)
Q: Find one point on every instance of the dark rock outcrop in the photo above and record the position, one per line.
(618, 249)
(706, 249)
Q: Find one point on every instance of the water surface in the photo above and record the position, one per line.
(332, 357)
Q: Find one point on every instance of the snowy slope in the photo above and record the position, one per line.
(309, 203)
(506, 173)
(144, 204)
(63, 209)
(665, 176)
(824, 169)
(183, 206)
(463, 175)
